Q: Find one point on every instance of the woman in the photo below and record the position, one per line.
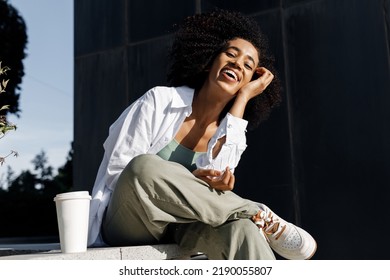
(167, 171)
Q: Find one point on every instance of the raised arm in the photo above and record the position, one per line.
(252, 89)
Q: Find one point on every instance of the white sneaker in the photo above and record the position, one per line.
(286, 239)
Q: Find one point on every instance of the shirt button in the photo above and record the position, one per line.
(229, 126)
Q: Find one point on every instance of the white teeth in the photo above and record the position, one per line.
(231, 73)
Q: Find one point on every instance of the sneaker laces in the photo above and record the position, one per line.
(268, 225)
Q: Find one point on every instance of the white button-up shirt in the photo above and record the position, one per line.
(146, 127)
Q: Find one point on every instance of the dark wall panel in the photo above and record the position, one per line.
(154, 18)
(340, 91)
(289, 3)
(147, 64)
(244, 6)
(99, 25)
(100, 87)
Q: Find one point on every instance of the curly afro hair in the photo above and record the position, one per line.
(201, 37)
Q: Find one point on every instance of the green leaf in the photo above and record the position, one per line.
(5, 107)
(3, 70)
(5, 82)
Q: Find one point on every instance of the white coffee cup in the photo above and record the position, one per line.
(72, 217)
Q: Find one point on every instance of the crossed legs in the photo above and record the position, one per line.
(152, 193)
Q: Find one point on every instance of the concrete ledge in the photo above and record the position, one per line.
(149, 252)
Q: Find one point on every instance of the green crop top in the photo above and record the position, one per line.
(180, 154)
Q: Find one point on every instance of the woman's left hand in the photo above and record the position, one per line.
(221, 181)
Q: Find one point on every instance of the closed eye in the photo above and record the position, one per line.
(229, 54)
(249, 67)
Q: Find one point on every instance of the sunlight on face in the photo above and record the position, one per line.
(235, 65)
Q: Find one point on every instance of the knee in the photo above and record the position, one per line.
(142, 166)
(144, 159)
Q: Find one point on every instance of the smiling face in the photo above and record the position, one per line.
(234, 66)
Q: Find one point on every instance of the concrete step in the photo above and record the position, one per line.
(52, 251)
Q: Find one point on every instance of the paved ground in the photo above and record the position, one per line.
(51, 251)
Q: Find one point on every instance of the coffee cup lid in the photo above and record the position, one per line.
(72, 195)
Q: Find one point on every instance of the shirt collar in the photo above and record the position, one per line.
(182, 97)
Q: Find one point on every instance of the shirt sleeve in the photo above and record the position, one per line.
(234, 129)
(129, 136)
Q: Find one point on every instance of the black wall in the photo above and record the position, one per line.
(323, 158)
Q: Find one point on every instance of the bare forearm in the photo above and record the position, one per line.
(239, 106)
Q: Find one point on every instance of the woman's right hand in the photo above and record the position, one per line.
(221, 181)
(257, 85)
(251, 90)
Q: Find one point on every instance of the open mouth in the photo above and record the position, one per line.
(231, 74)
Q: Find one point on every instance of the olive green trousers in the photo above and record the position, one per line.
(157, 200)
